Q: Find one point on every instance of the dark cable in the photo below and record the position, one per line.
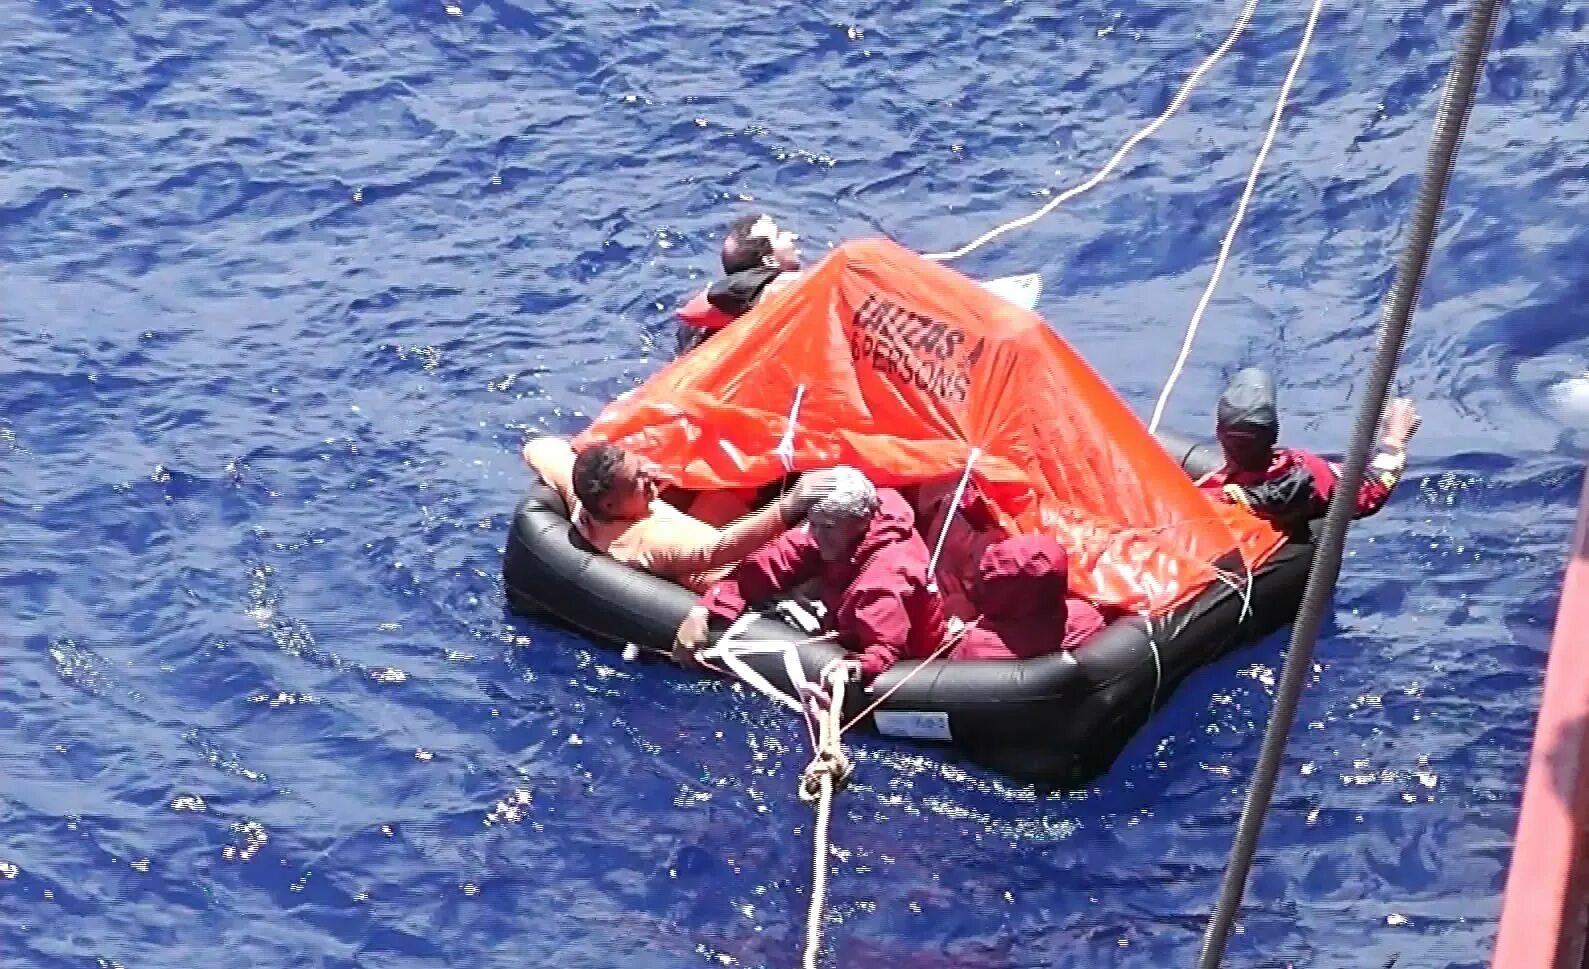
(1456, 104)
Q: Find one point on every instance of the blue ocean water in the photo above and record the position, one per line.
(286, 286)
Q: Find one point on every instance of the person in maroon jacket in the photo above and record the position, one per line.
(1023, 590)
(759, 257)
(1289, 486)
(862, 545)
(973, 526)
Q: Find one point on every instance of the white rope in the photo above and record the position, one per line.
(1158, 664)
(828, 769)
(1175, 105)
(1243, 589)
(951, 639)
(785, 448)
(736, 665)
(948, 519)
(1241, 210)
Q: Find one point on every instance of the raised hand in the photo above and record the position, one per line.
(1400, 423)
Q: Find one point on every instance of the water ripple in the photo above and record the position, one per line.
(288, 285)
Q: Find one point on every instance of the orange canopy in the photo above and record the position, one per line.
(907, 366)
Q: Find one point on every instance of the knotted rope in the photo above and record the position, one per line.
(829, 770)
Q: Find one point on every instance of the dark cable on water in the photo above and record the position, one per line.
(1456, 103)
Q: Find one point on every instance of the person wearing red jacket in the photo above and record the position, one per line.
(862, 546)
(759, 258)
(973, 526)
(1023, 590)
(1289, 486)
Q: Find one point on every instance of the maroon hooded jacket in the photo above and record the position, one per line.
(973, 528)
(1022, 589)
(876, 599)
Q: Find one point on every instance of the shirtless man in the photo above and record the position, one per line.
(612, 500)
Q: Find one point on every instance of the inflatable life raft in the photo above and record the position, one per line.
(1053, 719)
(916, 374)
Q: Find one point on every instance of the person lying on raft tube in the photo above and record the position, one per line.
(759, 258)
(861, 544)
(1289, 486)
(612, 498)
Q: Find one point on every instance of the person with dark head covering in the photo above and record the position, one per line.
(759, 257)
(1289, 486)
(1026, 609)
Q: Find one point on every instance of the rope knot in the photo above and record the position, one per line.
(833, 766)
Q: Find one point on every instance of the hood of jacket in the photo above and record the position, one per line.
(1247, 422)
(1025, 577)
(736, 293)
(892, 522)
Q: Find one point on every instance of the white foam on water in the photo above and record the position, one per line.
(1571, 401)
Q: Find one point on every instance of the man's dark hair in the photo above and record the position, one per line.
(596, 470)
(741, 250)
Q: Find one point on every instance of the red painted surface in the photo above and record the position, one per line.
(1543, 914)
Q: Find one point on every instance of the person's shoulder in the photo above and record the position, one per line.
(904, 561)
(667, 526)
(892, 502)
(663, 511)
(549, 445)
(1298, 454)
(1315, 463)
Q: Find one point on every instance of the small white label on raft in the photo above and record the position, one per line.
(915, 724)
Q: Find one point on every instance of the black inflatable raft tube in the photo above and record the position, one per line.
(1055, 719)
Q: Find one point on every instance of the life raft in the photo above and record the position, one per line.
(1057, 719)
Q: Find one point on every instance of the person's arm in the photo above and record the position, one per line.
(1302, 493)
(699, 566)
(1401, 423)
(1380, 478)
(785, 563)
(553, 459)
(784, 280)
(741, 538)
(882, 629)
(1384, 471)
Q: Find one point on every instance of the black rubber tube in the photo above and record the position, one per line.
(1455, 106)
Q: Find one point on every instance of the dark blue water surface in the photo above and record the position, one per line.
(285, 286)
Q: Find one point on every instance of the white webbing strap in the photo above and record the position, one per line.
(1158, 662)
(948, 519)
(785, 448)
(1240, 587)
(729, 649)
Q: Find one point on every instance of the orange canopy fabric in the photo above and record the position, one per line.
(907, 366)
